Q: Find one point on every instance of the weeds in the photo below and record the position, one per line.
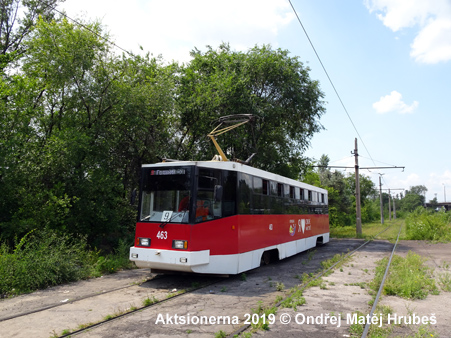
(220, 334)
(408, 277)
(280, 286)
(264, 315)
(326, 264)
(445, 281)
(423, 224)
(44, 258)
(149, 301)
(294, 300)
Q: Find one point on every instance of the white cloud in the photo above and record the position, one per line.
(393, 103)
(433, 42)
(174, 28)
(439, 185)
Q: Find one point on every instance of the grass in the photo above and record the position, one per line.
(356, 329)
(445, 281)
(149, 301)
(408, 277)
(370, 230)
(45, 258)
(294, 300)
(220, 334)
(423, 224)
(265, 316)
(280, 286)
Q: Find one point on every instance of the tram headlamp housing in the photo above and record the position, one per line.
(144, 241)
(181, 245)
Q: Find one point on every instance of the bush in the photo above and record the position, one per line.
(45, 258)
(40, 259)
(423, 224)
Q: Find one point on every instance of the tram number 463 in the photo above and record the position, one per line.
(162, 235)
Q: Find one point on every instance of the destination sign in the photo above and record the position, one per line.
(168, 172)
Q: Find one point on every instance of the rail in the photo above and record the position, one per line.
(303, 286)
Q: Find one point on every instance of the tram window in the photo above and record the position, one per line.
(297, 193)
(292, 192)
(258, 185)
(302, 195)
(309, 194)
(286, 190)
(166, 191)
(229, 194)
(244, 193)
(265, 190)
(322, 198)
(273, 188)
(206, 206)
(279, 189)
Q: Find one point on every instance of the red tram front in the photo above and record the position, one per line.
(223, 217)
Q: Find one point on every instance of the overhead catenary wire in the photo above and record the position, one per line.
(331, 82)
(86, 27)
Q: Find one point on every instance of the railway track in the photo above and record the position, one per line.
(324, 272)
(248, 293)
(155, 290)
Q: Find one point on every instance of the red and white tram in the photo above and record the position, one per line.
(223, 217)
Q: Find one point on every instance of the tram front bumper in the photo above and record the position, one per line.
(176, 260)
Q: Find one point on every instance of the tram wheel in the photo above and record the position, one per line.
(266, 258)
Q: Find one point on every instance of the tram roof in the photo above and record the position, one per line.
(239, 167)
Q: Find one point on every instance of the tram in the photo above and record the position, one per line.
(223, 217)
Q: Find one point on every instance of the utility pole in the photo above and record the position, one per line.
(380, 197)
(357, 187)
(389, 205)
(357, 193)
(394, 201)
(394, 208)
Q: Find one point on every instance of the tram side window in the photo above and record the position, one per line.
(229, 194)
(276, 203)
(244, 193)
(290, 202)
(258, 206)
(266, 187)
(206, 206)
(279, 189)
(261, 201)
(309, 193)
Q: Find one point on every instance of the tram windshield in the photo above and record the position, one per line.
(166, 195)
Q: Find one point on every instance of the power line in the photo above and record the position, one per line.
(86, 27)
(331, 82)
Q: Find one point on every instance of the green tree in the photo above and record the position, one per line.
(413, 198)
(266, 83)
(17, 18)
(83, 120)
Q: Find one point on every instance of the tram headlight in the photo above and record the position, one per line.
(182, 245)
(144, 241)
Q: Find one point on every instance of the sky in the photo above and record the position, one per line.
(388, 60)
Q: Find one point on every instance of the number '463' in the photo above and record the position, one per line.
(162, 235)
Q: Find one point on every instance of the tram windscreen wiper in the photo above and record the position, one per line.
(162, 225)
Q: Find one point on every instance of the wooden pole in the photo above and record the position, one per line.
(380, 197)
(357, 194)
